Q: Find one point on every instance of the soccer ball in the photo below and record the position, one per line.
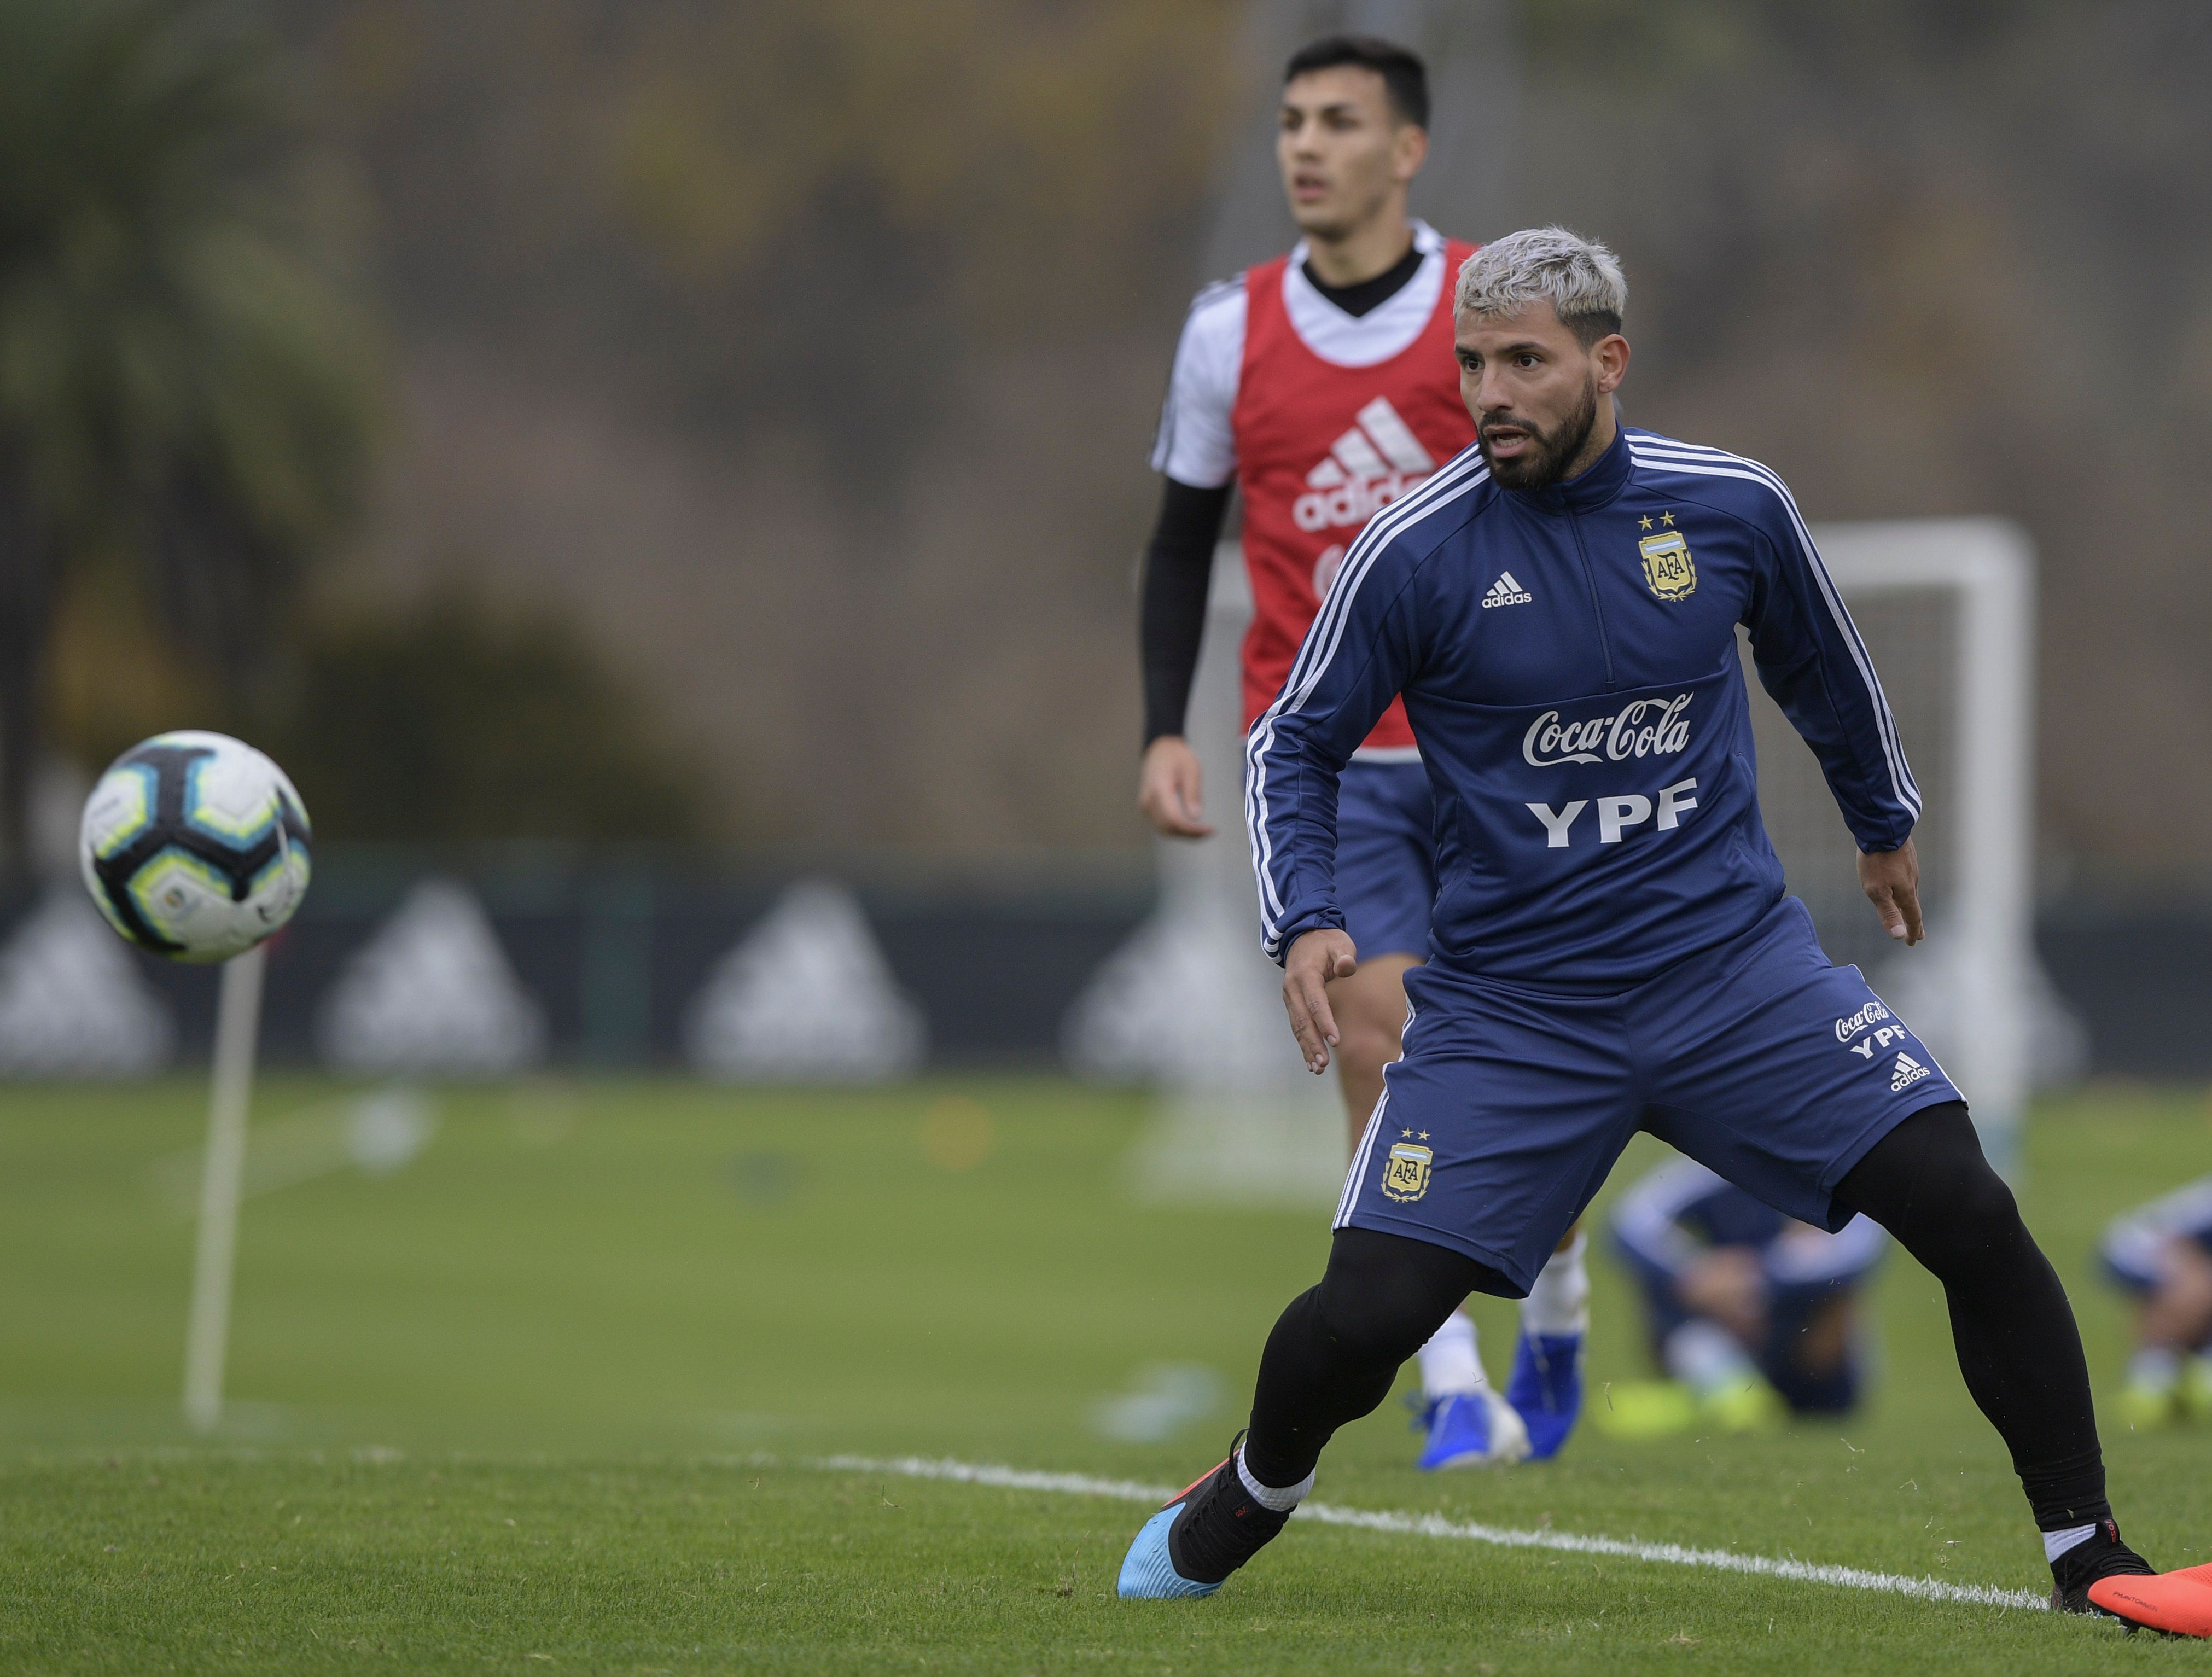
(195, 845)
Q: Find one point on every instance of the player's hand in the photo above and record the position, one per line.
(1891, 879)
(1169, 790)
(1727, 1285)
(1315, 958)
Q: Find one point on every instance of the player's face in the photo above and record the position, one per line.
(1534, 391)
(1345, 155)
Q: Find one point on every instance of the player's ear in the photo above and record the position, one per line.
(1409, 150)
(1611, 354)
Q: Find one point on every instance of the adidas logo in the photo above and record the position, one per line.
(1370, 465)
(1506, 592)
(1908, 1071)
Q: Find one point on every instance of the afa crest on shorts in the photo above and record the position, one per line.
(1405, 1172)
(1669, 569)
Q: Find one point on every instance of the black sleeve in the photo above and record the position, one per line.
(1171, 603)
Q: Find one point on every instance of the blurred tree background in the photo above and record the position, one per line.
(182, 395)
(768, 387)
(806, 357)
(1931, 257)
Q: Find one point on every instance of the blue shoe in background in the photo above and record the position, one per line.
(1546, 1389)
(1469, 1430)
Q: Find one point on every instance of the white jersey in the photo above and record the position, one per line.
(1196, 444)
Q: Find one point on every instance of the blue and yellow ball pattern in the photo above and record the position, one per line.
(195, 845)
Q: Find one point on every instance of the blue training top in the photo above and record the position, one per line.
(1568, 661)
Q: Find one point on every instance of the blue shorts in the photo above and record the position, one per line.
(1757, 1058)
(1386, 857)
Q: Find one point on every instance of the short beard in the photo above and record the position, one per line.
(1555, 450)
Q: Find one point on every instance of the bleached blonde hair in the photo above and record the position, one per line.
(1579, 277)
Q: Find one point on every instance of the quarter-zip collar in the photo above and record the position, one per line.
(1607, 477)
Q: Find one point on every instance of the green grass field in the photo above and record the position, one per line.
(547, 1398)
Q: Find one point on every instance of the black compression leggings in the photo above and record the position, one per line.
(1926, 1182)
(1335, 1353)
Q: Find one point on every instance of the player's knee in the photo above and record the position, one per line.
(1985, 1203)
(1366, 1045)
(1380, 1319)
(1980, 1224)
(1383, 1295)
(1928, 1183)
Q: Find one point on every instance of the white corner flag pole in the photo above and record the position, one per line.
(237, 1028)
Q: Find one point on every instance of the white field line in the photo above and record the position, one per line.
(1435, 1525)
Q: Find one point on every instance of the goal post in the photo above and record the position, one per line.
(1947, 608)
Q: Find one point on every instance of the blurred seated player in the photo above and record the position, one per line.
(1320, 385)
(1751, 1312)
(2162, 1253)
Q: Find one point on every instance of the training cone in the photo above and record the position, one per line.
(2178, 1602)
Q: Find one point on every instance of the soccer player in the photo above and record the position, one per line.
(2162, 1254)
(1610, 947)
(1750, 1311)
(1321, 385)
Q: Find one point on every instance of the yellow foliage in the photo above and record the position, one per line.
(114, 674)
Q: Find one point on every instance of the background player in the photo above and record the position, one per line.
(1321, 385)
(1750, 1311)
(2162, 1253)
